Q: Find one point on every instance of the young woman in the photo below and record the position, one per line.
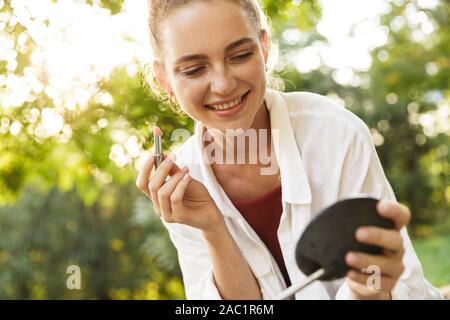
(235, 223)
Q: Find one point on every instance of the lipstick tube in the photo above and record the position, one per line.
(157, 147)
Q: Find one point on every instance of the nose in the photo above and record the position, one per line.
(223, 82)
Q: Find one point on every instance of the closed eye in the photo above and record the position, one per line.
(197, 71)
(193, 72)
(242, 57)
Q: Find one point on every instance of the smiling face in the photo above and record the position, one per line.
(214, 63)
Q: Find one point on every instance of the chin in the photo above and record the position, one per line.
(240, 124)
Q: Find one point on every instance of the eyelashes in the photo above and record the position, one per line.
(197, 71)
(242, 57)
(192, 72)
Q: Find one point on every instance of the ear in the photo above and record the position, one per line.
(161, 77)
(265, 44)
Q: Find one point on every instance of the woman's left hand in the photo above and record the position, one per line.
(388, 266)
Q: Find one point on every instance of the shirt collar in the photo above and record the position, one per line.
(294, 181)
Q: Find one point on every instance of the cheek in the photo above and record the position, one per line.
(253, 72)
(190, 94)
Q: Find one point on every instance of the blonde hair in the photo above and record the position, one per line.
(159, 9)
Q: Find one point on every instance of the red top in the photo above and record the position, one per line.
(263, 215)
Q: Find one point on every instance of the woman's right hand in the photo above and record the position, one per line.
(177, 197)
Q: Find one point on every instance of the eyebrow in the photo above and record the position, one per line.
(229, 47)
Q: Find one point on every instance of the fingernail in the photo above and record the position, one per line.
(147, 157)
(351, 257)
(384, 206)
(172, 157)
(169, 159)
(186, 177)
(363, 234)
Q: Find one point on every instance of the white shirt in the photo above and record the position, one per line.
(325, 153)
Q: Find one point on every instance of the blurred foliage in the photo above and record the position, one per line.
(433, 249)
(407, 84)
(45, 232)
(302, 15)
(66, 200)
(113, 5)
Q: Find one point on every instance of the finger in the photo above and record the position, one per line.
(154, 197)
(144, 174)
(385, 238)
(371, 282)
(158, 178)
(175, 167)
(362, 291)
(165, 193)
(176, 199)
(395, 211)
(364, 262)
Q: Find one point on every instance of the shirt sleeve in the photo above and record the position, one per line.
(362, 174)
(194, 261)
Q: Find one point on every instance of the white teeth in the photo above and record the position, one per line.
(227, 105)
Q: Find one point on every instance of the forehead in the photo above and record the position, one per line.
(204, 28)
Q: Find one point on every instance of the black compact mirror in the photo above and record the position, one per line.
(331, 234)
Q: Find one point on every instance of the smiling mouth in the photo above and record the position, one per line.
(230, 105)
